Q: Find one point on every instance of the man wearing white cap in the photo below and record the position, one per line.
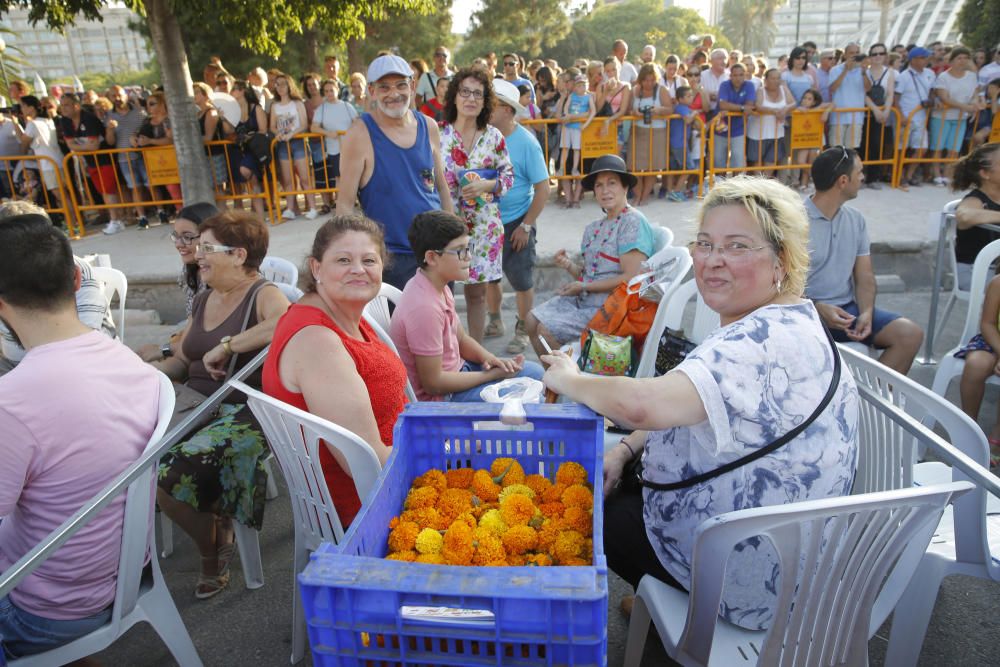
(391, 161)
(519, 210)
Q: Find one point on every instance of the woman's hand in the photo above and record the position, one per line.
(614, 463)
(150, 352)
(561, 370)
(215, 361)
(476, 188)
(508, 366)
(574, 288)
(562, 260)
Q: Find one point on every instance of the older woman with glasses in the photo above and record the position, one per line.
(217, 475)
(769, 375)
(479, 172)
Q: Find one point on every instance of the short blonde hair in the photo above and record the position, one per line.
(782, 218)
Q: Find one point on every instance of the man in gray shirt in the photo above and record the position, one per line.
(841, 279)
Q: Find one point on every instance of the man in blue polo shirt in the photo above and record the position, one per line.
(737, 96)
(519, 210)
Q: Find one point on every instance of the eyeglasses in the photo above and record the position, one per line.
(509, 63)
(846, 154)
(401, 87)
(463, 254)
(183, 239)
(878, 53)
(468, 92)
(734, 250)
(209, 248)
(440, 55)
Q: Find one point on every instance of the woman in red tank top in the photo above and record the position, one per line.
(327, 360)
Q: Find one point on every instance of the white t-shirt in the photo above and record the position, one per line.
(961, 90)
(43, 141)
(429, 81)
(628, 73)
(338, 116)
(989, 73)
(710, 82)
(913, 87)
(288, 117)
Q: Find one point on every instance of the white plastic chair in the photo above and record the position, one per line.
(385, 338)
(291, 292)
(114, 282)
(279, 270)
(949, 366)
(137, 597)
(294, 436)
(663, 236)
(891, 410)
(948, 213)
(834, 555)
(378, 308)
(668, 287)
(705, 319)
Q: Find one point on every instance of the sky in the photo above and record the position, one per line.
(461, 11)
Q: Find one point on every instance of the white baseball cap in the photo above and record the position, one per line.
(507, 93)
(386, 65)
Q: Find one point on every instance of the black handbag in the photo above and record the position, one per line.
(632, 478)
(257, 144)
(672, 349)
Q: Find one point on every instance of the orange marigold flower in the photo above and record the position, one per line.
(404, 536)
(489, 549)
(433, 559)
(506, 471)
(517, 510)
(453, 502)
(522, 489)
(481, 510)
(547, 535)
(538, 484)
(579, 519)
(571, 472)
(459, 478)
(424, 496)
(551, 510)
(574, 562)
(539, 560)
(405, 556)
(568, 545)
(432, 477)
(554, 493)
(458, 548)
(425, 517)
(519, 539)
(578, 495)
(484, 487)
(517, 561)
(468, 519)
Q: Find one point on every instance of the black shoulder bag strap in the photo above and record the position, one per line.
(763, 451)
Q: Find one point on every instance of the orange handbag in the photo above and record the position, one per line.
(623, 314)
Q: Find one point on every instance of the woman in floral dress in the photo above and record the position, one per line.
(479, 172)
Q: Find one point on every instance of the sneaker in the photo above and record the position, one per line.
(519, 342)
(289, 214)
(676, 196)
(494, 328)
(874, 185)
(163, 216)
(662, 194)
(940, 180)
(915, 182)
(143, 223)
(114, 227)
(312, 214)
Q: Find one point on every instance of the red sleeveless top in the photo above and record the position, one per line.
(381, 370)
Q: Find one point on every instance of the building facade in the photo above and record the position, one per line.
(89, 46)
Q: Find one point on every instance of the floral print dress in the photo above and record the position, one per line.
(482, 215)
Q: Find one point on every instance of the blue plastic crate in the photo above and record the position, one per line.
(354, 599)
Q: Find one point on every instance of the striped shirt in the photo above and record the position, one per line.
(128, 125)
(91, 306)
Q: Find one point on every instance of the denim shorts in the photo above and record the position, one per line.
(880, 320)
(297, 147)
(22, 633)
(532, 369)
(517, 266)
(138, 170)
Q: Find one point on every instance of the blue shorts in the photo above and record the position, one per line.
(880, 319)
(297, 147)
(137, 169)
(946, 135)
(22, 633)
(531, 369)
(767, 151)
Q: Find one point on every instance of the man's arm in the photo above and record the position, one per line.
(835, 83)
(354, 149)
(17, 448)
(439, 181)
(864, 295)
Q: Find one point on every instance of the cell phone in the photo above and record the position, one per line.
(545, 344)
(859, 58)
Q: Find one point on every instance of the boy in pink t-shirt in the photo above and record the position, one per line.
(442, 361)
(77, 410)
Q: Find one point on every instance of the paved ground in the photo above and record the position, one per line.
(243, 627)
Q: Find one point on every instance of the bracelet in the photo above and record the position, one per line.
(630, 450)
(226, 346)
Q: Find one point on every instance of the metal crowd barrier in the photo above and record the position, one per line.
(926, 155)
(53, 200)
(230, 185)
(321, 181)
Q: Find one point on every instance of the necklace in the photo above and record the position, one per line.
(602, 234)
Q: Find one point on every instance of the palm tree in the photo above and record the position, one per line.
(749, 24)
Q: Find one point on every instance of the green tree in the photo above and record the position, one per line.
(749, 24)
(527, 27)
(638, 22)
(412, 36)
(979, 21)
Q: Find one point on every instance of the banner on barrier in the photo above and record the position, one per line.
(807, 130)
(161, 165)
(594, 144)
(995, 132)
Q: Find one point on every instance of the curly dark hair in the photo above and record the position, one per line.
(489, 99)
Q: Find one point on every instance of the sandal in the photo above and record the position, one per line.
(225, 552)
(209, 585)
(994, 452)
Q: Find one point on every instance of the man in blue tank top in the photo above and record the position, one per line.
(391, 161)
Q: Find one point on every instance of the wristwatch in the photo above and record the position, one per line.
(526, 227)
(225, 344)
(166, 351)
(743, 108)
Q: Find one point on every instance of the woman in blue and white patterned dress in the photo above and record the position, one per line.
(763, 372)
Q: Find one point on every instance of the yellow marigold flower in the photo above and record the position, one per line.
(405, 556)
(517, 561)
(453, 502)
(517, 488)
(579, 519)
(489, 549)
(404, 536)
(484, 487)
(552, 510)
(574, 562)
(434, 478)
(459, 478)
(425, 517)
(571, 472)
(568, 545)
(480, 510)
(554, 493)
(506, 471)
(492, 520)
(538, 484)
(429, 541)
(539, 560)
(424, 496)
(433, 559)
(517, 510)
(458, 548)
(578, 495)
(519, 539)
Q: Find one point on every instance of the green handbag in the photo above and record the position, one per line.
(604, 354)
